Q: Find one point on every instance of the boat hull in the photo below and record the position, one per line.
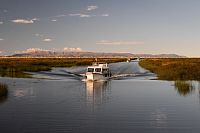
(95, 76)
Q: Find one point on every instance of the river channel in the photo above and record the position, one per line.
(60, 101)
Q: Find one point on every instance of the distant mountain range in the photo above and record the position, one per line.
(91, 54)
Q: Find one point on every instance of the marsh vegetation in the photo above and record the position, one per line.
(184, 87)
(174, 68)
(15, 67)
(3, 90)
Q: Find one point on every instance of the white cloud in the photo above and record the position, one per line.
(61, 15)
(74, 14)
(35, 19)
(5, 11)
(1, 39)
(47, 40)
(31, 50)
(1, 22)
(53, 20)
(107, 42)
(72, 49)
(80, 15)
(105, 15)
(87, 15)
(43, 38)
(92, 7)
(25, 21)
(38, 35)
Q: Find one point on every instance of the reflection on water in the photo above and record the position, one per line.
(97, 93)
(20, 93)
(3, 99)
(184, 87)
(118, 106)
(198, 87)
(159, 118)
(23, 91)
(3, 92)
(13, 73)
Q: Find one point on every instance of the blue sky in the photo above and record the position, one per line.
(135, 26)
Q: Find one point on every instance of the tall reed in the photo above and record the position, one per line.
(15, 67)
(174, 68)
(3, 89)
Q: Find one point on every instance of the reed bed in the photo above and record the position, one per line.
(174, 68)
(184, 87)
(15, 67)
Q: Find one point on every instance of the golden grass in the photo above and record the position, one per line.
(174, 68)
(15, 67)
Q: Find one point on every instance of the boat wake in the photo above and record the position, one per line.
(120, 71)
(130, 70)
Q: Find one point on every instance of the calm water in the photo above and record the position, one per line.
(128, 104)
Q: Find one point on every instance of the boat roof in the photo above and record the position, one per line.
(99, 65)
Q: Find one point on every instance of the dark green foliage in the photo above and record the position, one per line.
(15, 67)
(174, 68)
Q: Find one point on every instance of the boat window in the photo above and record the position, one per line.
(90, 70)
(97, 69)
(105, 70)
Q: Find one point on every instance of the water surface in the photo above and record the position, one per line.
(125, 105)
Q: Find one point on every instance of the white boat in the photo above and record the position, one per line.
(98, 71)
(128, 60)
(138, 59)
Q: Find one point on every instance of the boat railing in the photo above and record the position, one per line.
(100, 64)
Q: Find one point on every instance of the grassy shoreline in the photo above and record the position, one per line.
(15, 67)
(173, 68)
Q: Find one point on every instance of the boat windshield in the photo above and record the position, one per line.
(90, 70)
(97, 69)
(105, 70)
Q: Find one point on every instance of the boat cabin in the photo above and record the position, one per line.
(99, 68)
